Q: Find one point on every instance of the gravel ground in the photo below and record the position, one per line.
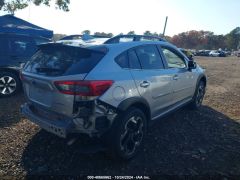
(204, 142)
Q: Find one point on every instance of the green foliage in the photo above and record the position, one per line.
(38, 2)
(57, 37)
(131, 33)
(86, 32)
(155, 34)
(168, 38)
(12, 6)
(1, 3)
(233, 39)
(103, 34)
(63, 4)
(149, 33)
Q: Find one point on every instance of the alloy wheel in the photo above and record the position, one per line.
(132, 135)
(7, 85)
(200, 94)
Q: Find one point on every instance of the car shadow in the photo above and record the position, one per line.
(9, 114)
(183, 143)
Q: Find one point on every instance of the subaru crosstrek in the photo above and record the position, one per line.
(112, 91)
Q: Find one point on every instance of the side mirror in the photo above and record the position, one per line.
(192, 65)
(190, 57)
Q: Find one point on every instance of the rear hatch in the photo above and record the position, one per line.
(55, 63)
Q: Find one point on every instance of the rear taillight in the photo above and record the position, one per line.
(83, 88)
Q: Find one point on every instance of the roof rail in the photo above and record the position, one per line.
(117, 38)
(81, 36)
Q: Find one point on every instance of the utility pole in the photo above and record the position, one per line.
(165, 26)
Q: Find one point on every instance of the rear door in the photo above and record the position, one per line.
(153, 81)
(183, 86)
(57, 63)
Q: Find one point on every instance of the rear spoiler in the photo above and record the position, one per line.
(98, 49)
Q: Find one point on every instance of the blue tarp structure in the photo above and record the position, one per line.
(14, 25)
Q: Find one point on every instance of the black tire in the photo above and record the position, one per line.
(198, 96)
(126, 137)
(9, 84)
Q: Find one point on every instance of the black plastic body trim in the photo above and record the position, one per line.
(124, 105)
(200, 77)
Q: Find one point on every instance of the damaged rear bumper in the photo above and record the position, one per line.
(59, 128)
(93, 124)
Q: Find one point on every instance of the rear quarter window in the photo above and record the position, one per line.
(122, 60)
(133, 60)
(60, 60)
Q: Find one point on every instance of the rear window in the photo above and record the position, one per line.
(60, 60)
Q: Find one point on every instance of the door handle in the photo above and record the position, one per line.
(145, 84)
(175, 77)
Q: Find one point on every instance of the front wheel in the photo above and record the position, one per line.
(199, 95)
(127, 134)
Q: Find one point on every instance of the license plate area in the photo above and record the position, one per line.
(45, 114)
(41, 96)
(61, 132)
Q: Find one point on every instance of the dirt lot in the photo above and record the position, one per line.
(184, 143)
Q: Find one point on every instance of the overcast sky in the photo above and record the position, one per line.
(116, 16)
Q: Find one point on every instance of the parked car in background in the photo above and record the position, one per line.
(214, 53)
(227, 53)
(202, 53)
(236, 53)
(17, 45)
(217, 53)
(112, 90)
(222, 54)
(14, 52)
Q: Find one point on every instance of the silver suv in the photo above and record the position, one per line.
(112, 91)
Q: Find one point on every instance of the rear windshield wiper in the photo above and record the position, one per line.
(45, 69)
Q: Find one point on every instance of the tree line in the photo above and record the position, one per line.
(202, 39)
(193, 39)
(207, 40)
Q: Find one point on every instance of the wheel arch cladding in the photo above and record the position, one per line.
(137, 102)
(203, 78)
